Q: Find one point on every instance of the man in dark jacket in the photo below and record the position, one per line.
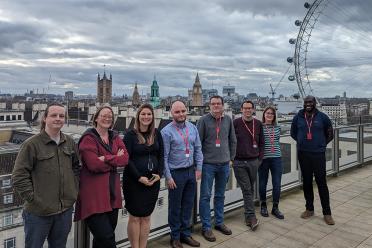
(45, 175)
(313, 130)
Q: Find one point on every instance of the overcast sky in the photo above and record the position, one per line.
(57, 46)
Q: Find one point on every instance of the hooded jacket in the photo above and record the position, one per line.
(99, 181)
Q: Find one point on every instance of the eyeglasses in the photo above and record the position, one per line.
(106, 117)
(268, 113)
(216, 103)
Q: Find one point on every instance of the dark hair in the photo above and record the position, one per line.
(272, 108)
(216, 97)
(95, 116)
(46, 112)
(151, 138)
(247, 101)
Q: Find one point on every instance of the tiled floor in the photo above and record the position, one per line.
(351, 202)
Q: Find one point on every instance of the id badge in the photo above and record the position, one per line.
(187, 155)
(255, 144)
(309, 136)
(272, 149)
(218, 143)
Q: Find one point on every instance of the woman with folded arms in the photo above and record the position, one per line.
(102, 151)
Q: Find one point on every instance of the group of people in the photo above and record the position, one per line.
(50, 179)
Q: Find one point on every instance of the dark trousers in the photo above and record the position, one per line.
(181, 202)
(55, 228)
(314, 163)
(102, 226)
(246, 174)
(275, 166)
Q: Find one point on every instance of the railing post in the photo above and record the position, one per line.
(336, 152)
(360, 144)
(81, 235)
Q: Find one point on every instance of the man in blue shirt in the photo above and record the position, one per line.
(313, 130)
(183, 161)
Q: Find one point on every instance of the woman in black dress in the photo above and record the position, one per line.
(141, 179)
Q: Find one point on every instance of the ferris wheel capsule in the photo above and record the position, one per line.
(291, 78)
(307, 5)
(290, 60)
(292, 41)
(298, 23)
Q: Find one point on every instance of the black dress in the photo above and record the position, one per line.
(144, 160)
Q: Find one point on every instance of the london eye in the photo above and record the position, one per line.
(333, 47)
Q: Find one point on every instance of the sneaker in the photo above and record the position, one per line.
(264, 211)
(277, 213)
(328, 219)
(253, 223)
(223, 229)
(307, 214)
(208, 235)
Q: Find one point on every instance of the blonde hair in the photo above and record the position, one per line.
(141, 139)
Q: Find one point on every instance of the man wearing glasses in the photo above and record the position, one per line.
(218, 140)
(249, 155)
(183, 161)
(313, 130)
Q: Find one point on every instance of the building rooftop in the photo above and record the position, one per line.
(351, 202)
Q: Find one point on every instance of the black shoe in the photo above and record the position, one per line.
(190, 241)
(223, 229)
(175, 243)
(277, 213)
(264, 211)
(209, 236)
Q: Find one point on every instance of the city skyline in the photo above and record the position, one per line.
(63, 45)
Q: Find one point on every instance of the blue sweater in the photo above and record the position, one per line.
(321, 129)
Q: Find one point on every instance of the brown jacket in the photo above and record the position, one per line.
(45, 174)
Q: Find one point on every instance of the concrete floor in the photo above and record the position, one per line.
(351, 203)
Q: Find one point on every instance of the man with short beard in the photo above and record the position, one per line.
(313, 130)
(183, 161)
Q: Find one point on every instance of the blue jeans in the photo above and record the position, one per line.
(275, 166)
(219, 174)
(181, 202)
(55, 228)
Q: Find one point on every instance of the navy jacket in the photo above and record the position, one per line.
(321, 129)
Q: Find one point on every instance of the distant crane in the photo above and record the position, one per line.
(272, 92)
(273, 89)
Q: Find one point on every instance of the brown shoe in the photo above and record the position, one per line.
(253, 223)
(329, 220)
(190, 241)
(175, 243)
(307, 214)
(223, 229)
(208, 235)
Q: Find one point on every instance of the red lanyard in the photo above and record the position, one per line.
(185, 138)
(218, 124)
(309, 124)
(251, 132)
(271, 134)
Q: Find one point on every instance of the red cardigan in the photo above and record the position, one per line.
(94, 192)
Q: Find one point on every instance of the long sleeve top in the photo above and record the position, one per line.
(272, 141)
(144, 160)
(207, 127)
(175, 147)
(99, 181)
(245, 149)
